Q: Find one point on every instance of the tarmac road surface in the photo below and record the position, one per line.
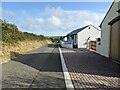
(40, 68)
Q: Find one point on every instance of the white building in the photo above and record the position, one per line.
(81, 37)
(66, 42)
(104, 47)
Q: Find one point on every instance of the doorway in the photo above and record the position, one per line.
(115, 41)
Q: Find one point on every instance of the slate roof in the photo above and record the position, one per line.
(77, 30)
(80, 29)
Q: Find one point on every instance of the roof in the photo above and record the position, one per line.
(114, 20)
(106, 14)
(80, 29)
(77, 30)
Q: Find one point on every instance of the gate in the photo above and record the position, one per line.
(93, 45)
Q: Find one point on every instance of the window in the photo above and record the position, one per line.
(98, 39)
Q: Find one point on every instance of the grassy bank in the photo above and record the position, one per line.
(15, 43)
(10, 51)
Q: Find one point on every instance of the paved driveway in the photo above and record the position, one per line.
(40, 68)
(90, 70)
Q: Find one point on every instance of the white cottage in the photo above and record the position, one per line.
(103, 47)
(81, 37)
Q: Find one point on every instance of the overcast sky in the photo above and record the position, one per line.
(52, 19)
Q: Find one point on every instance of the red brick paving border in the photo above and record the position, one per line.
(89, 70)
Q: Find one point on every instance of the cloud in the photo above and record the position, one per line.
(60, 21)
(7, 13)
(55, 21)
(31, 23)
(58, 11)
(84, 17)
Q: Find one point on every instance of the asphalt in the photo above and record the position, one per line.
(40, 68)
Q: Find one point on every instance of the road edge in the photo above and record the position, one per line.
(68, 81)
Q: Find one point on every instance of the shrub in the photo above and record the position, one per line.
(11, 33)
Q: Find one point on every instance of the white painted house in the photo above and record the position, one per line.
(81, 37)
(104, 47)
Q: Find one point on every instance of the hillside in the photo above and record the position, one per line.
(55, 38)
(15, 43)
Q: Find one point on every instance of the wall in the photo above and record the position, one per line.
(103, 49)
(93, 33)
(119, 41)
(68, 43)
(65, 39)
(119, 6)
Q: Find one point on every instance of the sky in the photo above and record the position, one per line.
(54, 18)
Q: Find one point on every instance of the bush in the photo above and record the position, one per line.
(11, 34)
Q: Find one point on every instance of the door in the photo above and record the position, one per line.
(75, 41)
(115, 41)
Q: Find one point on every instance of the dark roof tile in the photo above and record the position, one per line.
(77, 30)
(80, 29)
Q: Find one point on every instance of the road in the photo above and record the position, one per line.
(40, 68)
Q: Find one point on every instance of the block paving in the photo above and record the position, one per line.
(89, 70)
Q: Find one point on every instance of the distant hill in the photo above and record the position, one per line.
(55, 38)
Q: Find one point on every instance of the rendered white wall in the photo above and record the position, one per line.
(67, 42)
(65, 39)
(103, 49)
(93, 33)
